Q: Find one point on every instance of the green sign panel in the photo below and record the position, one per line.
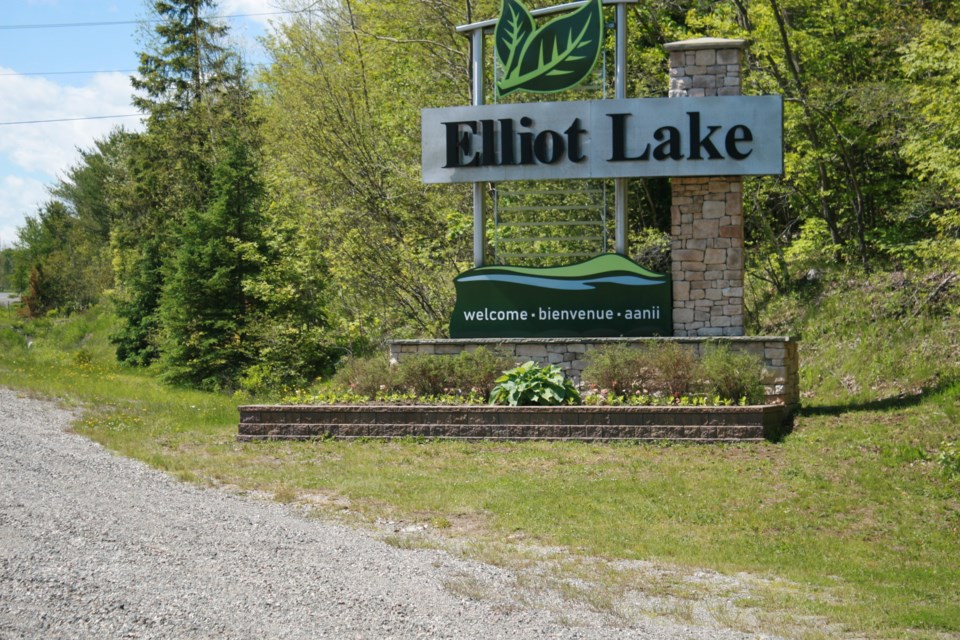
(554, 57)
(607, 296)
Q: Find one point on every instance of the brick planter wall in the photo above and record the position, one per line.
(694, 424)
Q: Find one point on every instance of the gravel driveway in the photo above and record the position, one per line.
(93, 545)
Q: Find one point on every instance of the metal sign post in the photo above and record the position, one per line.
(476, 33)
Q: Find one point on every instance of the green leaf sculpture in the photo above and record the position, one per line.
(551, 58)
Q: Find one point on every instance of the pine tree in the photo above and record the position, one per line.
(204, 310)
(193, 90)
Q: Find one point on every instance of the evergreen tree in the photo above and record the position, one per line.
(193, 89)
(203, 308)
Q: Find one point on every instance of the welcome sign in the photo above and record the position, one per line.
(607, 296)
(735, 135)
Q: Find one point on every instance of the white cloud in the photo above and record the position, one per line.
(20, 197)
(51, 147)
(250, 7)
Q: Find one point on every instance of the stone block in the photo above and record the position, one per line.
(682, 316)
(705, 57)
(681, 290)
(714, 209)
(725, 56)
(715, 256)
(704, 82)
(688, 255)
(734, 204)
(731, 231)
(531, 350)
(735, 259)
(706, 229)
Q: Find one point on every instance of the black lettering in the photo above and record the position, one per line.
(548, 147)
(573, 133)
(620, 140)
(488, 157)
(670, 148)
(696, 142)
(736, 135)
(507, 153)
(460, 143)
(526, 142)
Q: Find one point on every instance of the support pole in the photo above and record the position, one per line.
(479, 201)
(620, 184)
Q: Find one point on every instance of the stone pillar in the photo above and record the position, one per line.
(707, 219)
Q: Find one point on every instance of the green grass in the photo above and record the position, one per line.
(850, 519)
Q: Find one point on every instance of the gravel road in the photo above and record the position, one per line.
(93, 545)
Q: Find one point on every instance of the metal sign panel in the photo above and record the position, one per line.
(607, 296)
(675, 137)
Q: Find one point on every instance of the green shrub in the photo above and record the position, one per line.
(424, 375)
(730, 374)
(621, 369)
(674, 368)
(665, 367)
(478, 370)
(366, 376)
(469, 371)
(531, 384)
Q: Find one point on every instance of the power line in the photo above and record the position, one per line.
(65, 73)
(126, 115)
(110, 23)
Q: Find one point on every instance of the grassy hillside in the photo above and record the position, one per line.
(849, 527)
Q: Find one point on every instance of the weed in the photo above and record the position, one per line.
(949, 459)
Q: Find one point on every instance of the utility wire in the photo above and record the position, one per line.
(126, 115)
(109, 23)
(65, 73)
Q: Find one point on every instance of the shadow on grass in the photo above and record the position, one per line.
(900, 401)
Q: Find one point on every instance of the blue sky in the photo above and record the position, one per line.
(33, 156)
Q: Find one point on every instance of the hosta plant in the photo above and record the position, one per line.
(531, 384)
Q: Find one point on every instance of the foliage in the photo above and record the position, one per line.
(467, 374)
(57, 264)
(366, 376)
(532, 384)
(203, 308)
(949, 459)
(341, 110)
(731, 374)
(619, 368)
(675, 368)
(650, 370)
